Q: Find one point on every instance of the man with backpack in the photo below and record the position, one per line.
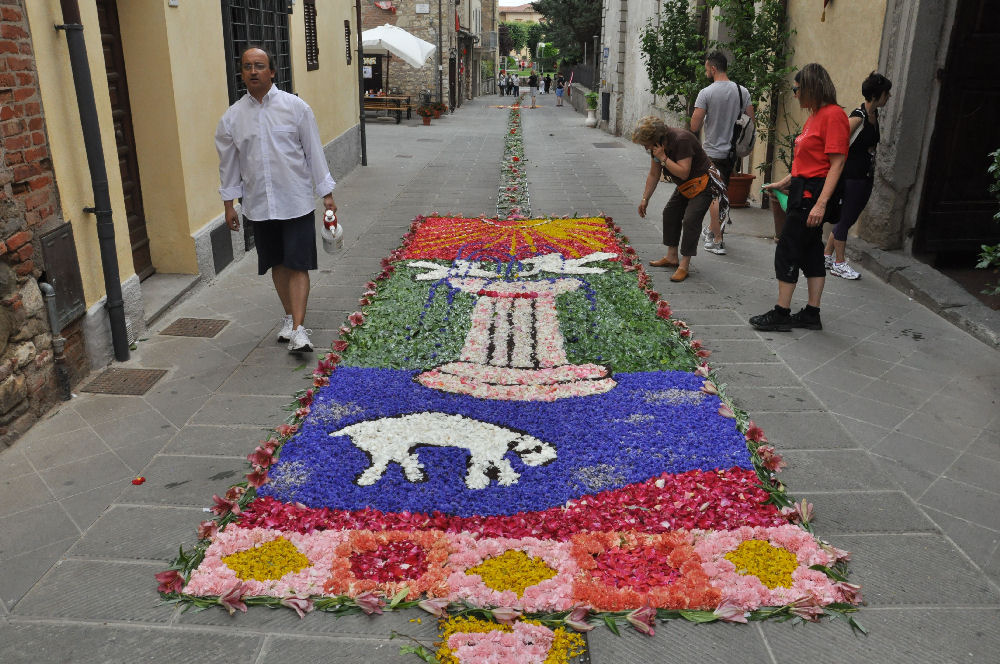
(717, 109)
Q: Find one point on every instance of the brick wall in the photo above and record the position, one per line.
(29, 205)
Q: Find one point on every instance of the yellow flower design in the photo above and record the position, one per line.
(771, 564)
(268, 562)
(565, 646)
(512, 570)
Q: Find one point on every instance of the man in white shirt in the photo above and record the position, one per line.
(271, 157)
(716, 109)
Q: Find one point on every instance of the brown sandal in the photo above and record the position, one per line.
(680, 275)
(663, 262)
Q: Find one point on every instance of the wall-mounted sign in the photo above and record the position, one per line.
(423, 8)
(367, 69)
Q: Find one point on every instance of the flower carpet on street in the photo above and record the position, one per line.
(514, 434)
(513, 425)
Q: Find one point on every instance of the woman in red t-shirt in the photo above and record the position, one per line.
(820, 151)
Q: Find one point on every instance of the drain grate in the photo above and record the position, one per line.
(195, 327)
(125, 381)
(609, 145)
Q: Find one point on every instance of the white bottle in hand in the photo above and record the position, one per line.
(332, 232)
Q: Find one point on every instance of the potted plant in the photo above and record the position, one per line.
(439, 108)
(426, 113)
(591, 98)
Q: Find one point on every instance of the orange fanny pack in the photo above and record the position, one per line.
(694, 186)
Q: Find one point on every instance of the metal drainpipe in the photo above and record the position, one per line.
(98, 174)
(361, 83)
(58, 343)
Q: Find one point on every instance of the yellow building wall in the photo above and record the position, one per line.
(160, 76)
(332, 90)
(847, 44)
(69, 158)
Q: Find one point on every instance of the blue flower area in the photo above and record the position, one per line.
(649, 424)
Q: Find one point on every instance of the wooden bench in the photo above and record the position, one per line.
(391, 104)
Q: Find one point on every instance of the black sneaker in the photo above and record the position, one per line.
(807, 319)
(776, 319)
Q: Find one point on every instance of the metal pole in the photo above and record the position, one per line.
(98, 174)
(361, 84)
(440, 60)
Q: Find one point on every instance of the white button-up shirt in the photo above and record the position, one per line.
(271, 157)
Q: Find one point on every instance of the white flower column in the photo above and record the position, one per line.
(514, 348)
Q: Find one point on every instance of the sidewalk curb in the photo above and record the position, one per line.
(934, 290)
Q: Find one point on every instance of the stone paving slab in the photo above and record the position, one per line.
(680, 643)
(138, 532)
(915, 570)
(896, 636)
(97, 590)
(83, 643)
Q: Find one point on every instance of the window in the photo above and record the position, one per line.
(312, 45)
(263, 22)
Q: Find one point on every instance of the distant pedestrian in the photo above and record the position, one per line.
(271, 158)
(560, 88)
(820, 152)
(533, 86)
(859, 171)
(677, 154)
(717, 108)
(501, 83)
(548, 83)
(517, 84)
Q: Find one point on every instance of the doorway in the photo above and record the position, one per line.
(121, 114)
(956, 215)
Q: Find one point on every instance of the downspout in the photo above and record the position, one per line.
(361, 83)
(440, 60)
(58, 343)
(98, 174)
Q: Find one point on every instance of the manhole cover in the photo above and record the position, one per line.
(608, 145)
(125, 381)
(195, 327)
(404, 156)
(428, 140)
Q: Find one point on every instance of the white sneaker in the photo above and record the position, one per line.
(718, 248)
(844, 270)
(286, 329)
(299, 342)
(828, 261)
(706, 234)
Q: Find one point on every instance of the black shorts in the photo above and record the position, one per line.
(800, 247)
(725, 167)
(288, 242)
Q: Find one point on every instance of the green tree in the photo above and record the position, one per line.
(758, 40)
(535, 34)
(674, 53)
(569, 24)
(517, 37)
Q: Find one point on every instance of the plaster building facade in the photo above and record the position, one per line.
(931, 192)
(155, 135)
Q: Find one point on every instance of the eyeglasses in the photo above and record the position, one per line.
(259, 66)
(795, 89)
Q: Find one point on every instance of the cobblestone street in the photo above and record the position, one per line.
(887, 418)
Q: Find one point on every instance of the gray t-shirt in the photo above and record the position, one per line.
(721, 102)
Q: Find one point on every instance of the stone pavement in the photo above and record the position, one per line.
(887, 418)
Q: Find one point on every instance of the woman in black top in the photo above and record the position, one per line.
(859, 171)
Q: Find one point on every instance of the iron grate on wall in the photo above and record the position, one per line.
(195, 327)
(133, 382)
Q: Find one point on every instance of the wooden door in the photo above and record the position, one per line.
(121, 113)
(957, 210)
